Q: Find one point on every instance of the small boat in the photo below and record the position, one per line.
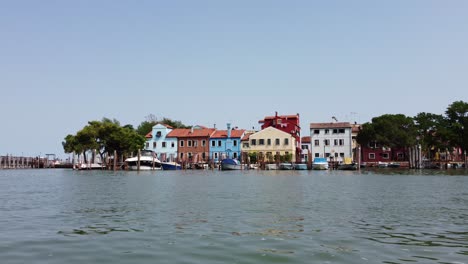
(344, 166)
(171, 166)
(393, 165)
(231, 164)
(381, 164)
(148, 161)
(89, 166)
(271, 166)
(348, 164)
(320, 164)
(286, 166)
(300, 166)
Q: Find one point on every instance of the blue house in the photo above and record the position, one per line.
(165, 148)
(226, 144)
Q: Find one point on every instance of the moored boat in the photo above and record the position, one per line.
(300, 166)
(286, 166)
(148, 161)
(320, 164)
(231, 164)
(171, 166)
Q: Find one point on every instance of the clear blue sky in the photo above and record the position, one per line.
(63, 63)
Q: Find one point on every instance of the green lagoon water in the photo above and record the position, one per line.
(66, 216)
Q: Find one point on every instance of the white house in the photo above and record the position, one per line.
(331, 140)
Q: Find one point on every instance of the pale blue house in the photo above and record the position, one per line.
(226, 144)
(164, 147)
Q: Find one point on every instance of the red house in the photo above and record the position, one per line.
(286, 123)
(375, 154)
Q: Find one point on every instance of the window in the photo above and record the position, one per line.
(342, 154)
(316, 131)
(385, 156)
(335, 142)
(277, 141)
(327, 131)
(234, 143)
(213, 143)
(181, 143)
(189, 155)
(316, 142)
(305, 146)
(189, 143)
(203, 155)
(317, 155)
(203, 143)
(147, 144)
(164, 144)
(341, 142)
(181, 156)
(261, 142)
(158, 134)
(286, 141)
(215, 155)
(269, 142)
(326, 142)
(172, 144)
(195, 143)
(327, 155)
(253, 142)
(335, 131)
(372, 156)
(234, 155)
(154, 144)
(219, 143)
(336, 154)
(341, 130)
(245, 145)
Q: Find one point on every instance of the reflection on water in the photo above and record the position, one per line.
(401, 216)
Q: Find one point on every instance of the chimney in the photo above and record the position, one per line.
(229, 130)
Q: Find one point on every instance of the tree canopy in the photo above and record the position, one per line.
(105, 137)
(147, 125)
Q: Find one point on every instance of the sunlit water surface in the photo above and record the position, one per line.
(66, 216)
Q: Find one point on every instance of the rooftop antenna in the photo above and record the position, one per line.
(334, 118)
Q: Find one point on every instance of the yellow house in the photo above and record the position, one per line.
(270, 142)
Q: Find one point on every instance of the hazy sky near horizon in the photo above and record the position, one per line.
(64, 63)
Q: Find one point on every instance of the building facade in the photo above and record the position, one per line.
(332, 141)
(306, 148)
(269, 143)
(226, 144)
(287, 123)
(192, 143)
(157, 141)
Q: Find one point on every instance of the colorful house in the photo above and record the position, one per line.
(305, 149)
(157, 141)
(193, 143)
(332, 141)
(269, 143)
(226, 144)
(287, 123)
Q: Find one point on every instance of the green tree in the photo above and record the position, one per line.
(433, 132)
(457, 116)
(105, 137)
(393, 131)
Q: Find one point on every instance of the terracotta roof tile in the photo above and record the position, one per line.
(305, 139)
(236, 133)
(149, 135)
(188, 132)
(331, 125)
(279, 116)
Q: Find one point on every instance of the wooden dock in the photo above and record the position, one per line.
(18, 162)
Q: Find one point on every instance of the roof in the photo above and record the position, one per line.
(188, 132)
(331, 125)
(168, 126)
(279, 117)
(149, 135)
(305, 139)
(235, 133)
